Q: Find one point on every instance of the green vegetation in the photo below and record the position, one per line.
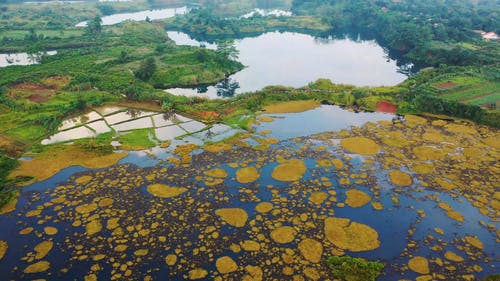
(137, 139)
(427, 32)
(354, 269)
(6, 165)
(457, 91)
(34, 99)
(207, 25)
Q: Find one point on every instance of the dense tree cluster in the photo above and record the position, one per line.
(416, 28)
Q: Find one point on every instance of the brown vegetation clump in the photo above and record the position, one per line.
(291, 170)
(284, 234)
(351, 236)
(356, 198)
(233, 216)
(400, 178)
(165, 191)
(419, 265)
(360, 145)
(247, 175)
(292, 106)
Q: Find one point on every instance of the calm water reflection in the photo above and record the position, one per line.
(293, 59)
(140, 16)
(22, 58)
(322, 119)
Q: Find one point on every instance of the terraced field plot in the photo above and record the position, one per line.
(471, 91)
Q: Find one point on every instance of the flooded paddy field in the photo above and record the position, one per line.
(174, 128)
(420, 196)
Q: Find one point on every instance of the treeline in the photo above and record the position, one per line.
(207, 25)
(427, 31)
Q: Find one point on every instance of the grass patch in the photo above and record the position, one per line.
(6, 195)
(137, 139)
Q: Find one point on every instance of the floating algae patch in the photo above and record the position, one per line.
(38, 267)
(283, 234)
(449, 255)
(215, 148)
(311, 250)
(318, 197)
(400, 178)
(233, 216)
(419, 265)
(93, 227)
(352, 236)
(165, 191)
(429, 153)
(198, 273)
(50, 230)
(83, 179)
(250, 245)
(291, 106)
(357, 198)
(474, 241)
(216, 173)
(43, 249)
(291, 170)
(86, 208)
(247, 175)
(56, 158)
(265, 119)
(3, 249)
(171, 259)
(226, 265)
(264, 207)
(360, 145)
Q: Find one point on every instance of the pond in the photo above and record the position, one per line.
(140, 16)
(294, 59)
(22, 58)
(230, 212)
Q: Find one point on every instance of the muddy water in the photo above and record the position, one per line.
(407, 209)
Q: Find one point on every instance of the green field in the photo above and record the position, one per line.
(475, 88)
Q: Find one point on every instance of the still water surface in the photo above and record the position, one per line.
(21, 58)
(294, 59)
(140, 16)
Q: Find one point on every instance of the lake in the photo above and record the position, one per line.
(140, 16)
(295, 59)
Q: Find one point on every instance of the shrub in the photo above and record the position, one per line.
(354, 269)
